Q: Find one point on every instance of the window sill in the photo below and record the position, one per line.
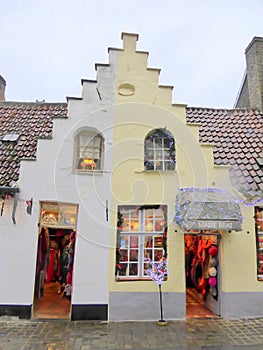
(130, 279)
(91, 172)
(154, 171)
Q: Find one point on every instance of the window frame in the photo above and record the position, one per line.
(124, 248)
(159, 151)
(88, 164)
(259, 241)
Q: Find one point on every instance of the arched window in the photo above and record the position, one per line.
(89, 146)
(159, 150)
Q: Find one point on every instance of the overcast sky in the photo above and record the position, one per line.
(48, 46)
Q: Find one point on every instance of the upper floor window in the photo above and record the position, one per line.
(259, 237)
(159, 150)
(88, 151)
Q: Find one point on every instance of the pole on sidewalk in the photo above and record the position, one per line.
(161, 322)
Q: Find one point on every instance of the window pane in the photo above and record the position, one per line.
(133, 269)
(134, 241)
(123, 255)
(158, 242)
(134, 255)
(158, 254)
(149, 225)
(146, 266)
(123, 269)
(124, 242)
(148, 254)
(148, 241)
(130, 220)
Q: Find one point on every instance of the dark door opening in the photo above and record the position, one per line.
(54, 268)
(201, 273)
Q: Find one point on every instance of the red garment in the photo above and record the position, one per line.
(51, 270)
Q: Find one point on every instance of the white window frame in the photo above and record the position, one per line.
(127, 232)
(88, 155)
(158, 157)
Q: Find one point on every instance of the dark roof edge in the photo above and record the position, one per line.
(2, 103)
(6, 189)
(226, 109)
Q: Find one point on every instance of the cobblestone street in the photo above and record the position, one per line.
(193, 334)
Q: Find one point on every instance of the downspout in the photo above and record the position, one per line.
(14, 207)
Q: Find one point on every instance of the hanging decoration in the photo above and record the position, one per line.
(29, 206)
(207, 204)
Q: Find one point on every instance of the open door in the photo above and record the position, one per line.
(55, 261)
(202, 279)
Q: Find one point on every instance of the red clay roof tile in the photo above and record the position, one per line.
(32, 121)
(237, 135)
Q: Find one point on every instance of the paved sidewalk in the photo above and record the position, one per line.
(194, 334)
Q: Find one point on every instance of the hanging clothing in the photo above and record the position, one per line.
(64, 259)
(52, 268)
(42, 249)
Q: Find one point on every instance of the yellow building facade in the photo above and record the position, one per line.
(142, 106)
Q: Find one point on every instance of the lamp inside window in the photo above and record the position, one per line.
(88, 164)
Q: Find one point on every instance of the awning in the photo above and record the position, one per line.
(207, 209)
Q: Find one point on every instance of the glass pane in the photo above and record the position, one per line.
(148, 254)
(123, 255)
(158, 242)
(159, 165)
(145, 268)
(84, 140)
(130, 220)
(87, 153)
(158, 142)
(97, 141)
(134, 226)
(134, 255)
(148, 241)
(159, 213)
(124, 242)
(134, 241)
(158, 254)
(123, 269)
(149, 226)
(159, 226)
(149, 213)
(133, 269)
(169, 165)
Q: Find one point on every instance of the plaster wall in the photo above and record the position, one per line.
(51, 178)
(238, 257)
(142, 107)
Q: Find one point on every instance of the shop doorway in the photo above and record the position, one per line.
(55, 261)
(201, 275)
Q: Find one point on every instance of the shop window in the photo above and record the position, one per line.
(58, 215)
(88, 151)
(159, 150)
(141, 235)
(259, 238)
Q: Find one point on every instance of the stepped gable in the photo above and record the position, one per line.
(238, 138)
(27, 122)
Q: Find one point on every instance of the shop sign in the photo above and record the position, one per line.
(214, 225)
